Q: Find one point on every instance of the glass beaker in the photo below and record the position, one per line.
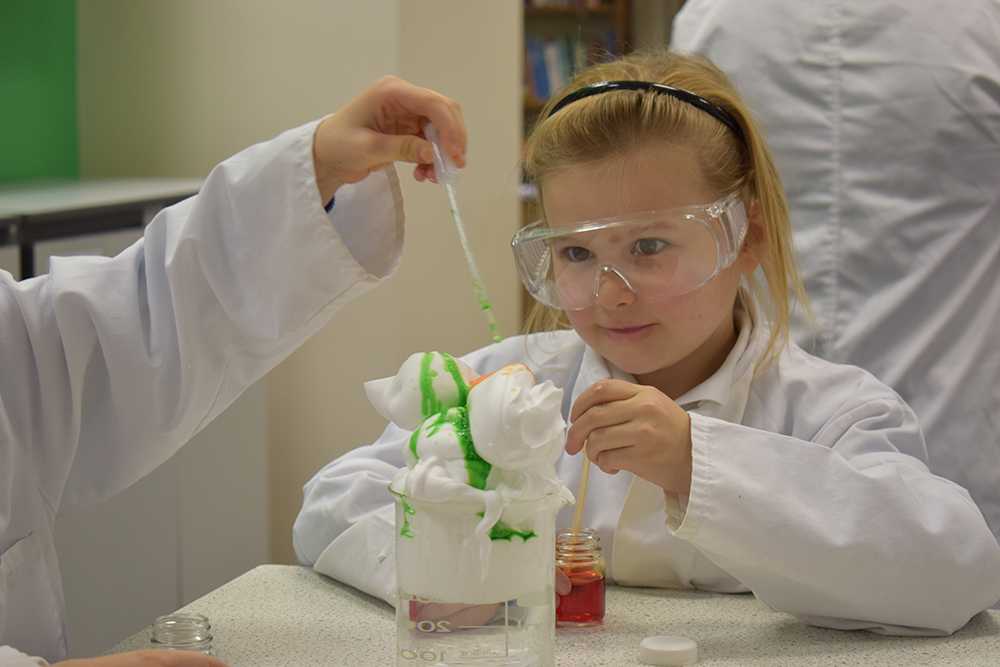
(464, 598)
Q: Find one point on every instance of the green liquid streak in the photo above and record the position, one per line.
(430, 405)
(406, 524)
(458, 417)
(451, 366)
(502, 531)
(413, 443)
(477, 468)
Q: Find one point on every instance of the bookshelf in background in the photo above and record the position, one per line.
(560, 38)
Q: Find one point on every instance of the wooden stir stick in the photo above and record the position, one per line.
(580, 494)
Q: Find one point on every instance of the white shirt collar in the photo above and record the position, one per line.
(725, 393)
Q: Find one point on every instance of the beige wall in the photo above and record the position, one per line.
(171, 88)
(652, 21)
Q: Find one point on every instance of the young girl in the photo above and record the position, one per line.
(731, 460)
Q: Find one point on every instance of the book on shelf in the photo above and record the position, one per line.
(549, 62)
(536, 73)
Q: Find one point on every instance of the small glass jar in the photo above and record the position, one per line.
(183, 632)
(580, 559)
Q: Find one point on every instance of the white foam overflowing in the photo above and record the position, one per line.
(479, 494)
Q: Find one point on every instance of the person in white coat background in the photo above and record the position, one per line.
(109, 365)
(885, 124)
(730, 459)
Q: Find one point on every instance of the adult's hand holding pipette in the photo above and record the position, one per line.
(381, 125)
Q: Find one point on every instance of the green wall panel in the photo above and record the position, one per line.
(38, 126)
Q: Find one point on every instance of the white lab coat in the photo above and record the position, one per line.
(108, 366)
(884, 118)
(808, 488)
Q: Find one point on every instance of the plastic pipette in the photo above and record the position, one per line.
(447, 175)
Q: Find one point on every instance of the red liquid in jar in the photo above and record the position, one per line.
(584, 604)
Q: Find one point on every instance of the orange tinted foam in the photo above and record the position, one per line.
(509, 369)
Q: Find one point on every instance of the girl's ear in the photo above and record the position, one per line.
(755, 242)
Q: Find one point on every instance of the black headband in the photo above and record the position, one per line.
(710, 108)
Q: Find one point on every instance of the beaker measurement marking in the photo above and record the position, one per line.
(433, 626)
(426, 656)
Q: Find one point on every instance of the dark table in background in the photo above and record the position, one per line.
(35, 211)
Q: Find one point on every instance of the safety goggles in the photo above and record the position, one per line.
(658, 254)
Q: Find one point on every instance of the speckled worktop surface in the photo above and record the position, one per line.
(288, 615)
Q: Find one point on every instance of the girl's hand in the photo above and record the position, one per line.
(636, 428)
(563, 584)
(384, 124)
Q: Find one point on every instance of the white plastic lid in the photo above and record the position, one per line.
(668, 651)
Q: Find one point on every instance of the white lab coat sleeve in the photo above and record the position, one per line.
(844, 531)
(111, 364)
(345, 529)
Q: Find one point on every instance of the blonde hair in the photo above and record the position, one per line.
(614, 125)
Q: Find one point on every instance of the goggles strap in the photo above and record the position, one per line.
(708, 107)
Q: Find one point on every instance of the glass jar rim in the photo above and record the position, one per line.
(182, 629)
(586, 545)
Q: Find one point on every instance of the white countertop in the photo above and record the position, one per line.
(288, 615)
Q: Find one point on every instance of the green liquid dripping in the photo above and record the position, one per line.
(485, 304)
(429, 405)
(470, 262)
(406, 523)
(451, 366)
(413, 443)
(502, 531)
(432, 409)
(477, 468)
(432, 405)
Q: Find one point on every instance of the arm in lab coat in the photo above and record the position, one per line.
(834, 523)
(346, 527)
(110, 364)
